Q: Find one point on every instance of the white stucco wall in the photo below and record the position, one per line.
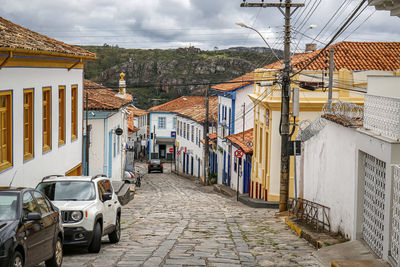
(235, 174)
(242, 96)
(330, 174)
(194, 150)
(161, 133)
(60, 159)
(99, 151)
(333, 173)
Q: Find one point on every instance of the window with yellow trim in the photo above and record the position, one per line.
(74, 112)
(61, 115)
(46, 119)
(28, 124)
(5, 130)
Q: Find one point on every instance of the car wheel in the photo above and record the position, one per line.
(95, 245)
(56, 260)
(116, 234)
(17, 260)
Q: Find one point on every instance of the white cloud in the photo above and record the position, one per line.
(172, 23)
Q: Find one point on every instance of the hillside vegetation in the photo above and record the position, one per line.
(156, 76)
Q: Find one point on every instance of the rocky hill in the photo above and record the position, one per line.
(157, 76)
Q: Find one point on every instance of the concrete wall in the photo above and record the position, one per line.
(161, 133)
(330, 174)
(61, 158)
(242, 97)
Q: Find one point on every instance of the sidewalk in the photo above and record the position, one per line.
(334, 251)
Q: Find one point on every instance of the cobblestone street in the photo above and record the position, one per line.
(175, 222)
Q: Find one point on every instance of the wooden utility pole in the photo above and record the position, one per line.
(206, 145)
(285, 97)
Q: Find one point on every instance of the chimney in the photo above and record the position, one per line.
(311, 47)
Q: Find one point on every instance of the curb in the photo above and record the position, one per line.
(302, 234)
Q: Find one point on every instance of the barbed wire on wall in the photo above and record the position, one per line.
(348, 111)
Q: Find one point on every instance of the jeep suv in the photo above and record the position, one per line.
(89, 208)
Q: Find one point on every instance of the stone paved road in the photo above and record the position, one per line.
(175, 222)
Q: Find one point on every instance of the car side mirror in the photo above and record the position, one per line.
(33, 216)
(106, 196)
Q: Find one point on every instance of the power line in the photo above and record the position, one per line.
(333, 38)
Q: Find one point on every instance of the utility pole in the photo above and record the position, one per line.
(206, 145)
(331, 70)
(285, 97)
(154, 140)
(244, 116)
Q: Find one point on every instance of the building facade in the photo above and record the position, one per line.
(106, 112)
(41, 91)
(350, 79)
(233, 104)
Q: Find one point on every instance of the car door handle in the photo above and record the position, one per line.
(109, 205)
(115, 202)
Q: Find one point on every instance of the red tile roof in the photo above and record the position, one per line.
(354, 56)
(134, 112)
(235, 83)
(137, 112)
(245, 144)
(101, 97)
(13, 36)
(192, 107)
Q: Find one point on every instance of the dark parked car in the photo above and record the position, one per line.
(155, 165)
(30, 229)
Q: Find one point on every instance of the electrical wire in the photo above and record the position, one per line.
(333, 38)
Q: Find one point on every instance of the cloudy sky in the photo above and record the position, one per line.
(207, 24)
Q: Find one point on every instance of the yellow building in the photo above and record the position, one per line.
(353, 62)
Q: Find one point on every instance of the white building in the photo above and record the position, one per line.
(41, 106)
(232, 100)
(190, 132)
(241, 162)
(106, 113)
(138, 130)
(355, 171)
(163, 126)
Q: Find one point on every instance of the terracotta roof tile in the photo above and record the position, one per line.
(354, 56)
(245, 144)
(13, 36)
(235, 83)
(137, 112)
(101, 97)
(192, 107)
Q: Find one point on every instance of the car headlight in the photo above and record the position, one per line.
(76, 215)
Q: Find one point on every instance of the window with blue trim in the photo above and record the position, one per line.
(184, 130)
(161, 123)
(219, 113)
(192, 133)
(174, 122)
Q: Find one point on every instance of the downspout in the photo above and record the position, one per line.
(10, 56)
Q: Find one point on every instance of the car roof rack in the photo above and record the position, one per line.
(52, 175)
(97, 176)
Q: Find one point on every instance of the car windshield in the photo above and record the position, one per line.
(155, 161)
(68, 190)
(8, 206)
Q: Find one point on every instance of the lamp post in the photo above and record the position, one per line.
(241, 24)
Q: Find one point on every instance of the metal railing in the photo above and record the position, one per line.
(317, 215)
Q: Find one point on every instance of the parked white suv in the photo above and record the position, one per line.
(89, 208)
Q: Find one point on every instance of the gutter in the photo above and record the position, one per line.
(48, 53)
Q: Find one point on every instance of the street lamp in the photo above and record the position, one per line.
(241, 24)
